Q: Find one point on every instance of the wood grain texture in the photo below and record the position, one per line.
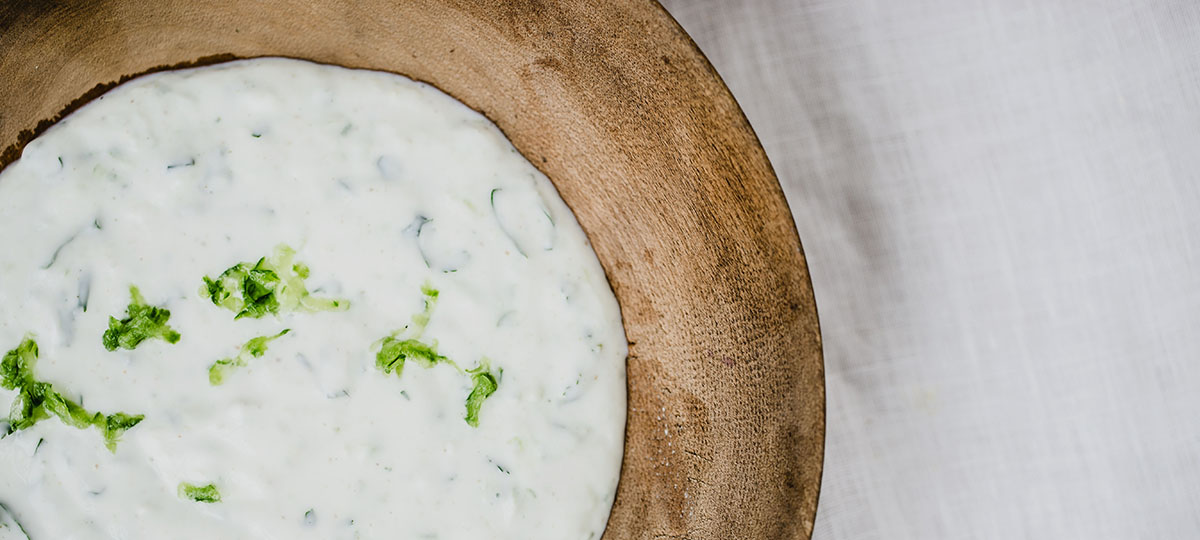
(614, 103)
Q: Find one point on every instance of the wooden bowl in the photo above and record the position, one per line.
(612, 100)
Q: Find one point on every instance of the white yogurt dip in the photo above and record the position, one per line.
(386, 189)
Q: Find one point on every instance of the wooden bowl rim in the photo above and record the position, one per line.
(12, 151)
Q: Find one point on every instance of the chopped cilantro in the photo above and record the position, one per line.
(205, 494)
(38, 400)
(484, 382)
(254, 348)
(271, 285)
(142, 321)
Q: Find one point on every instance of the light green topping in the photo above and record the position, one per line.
(421, 320)
(396, 349)
(254, 348)
(484, 382)
(142, 321)
(38, 400)
(271, 285)
(205, 494)
(393, 352)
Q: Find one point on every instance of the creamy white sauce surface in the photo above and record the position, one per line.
(381, 185)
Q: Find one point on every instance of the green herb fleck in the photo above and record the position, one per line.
(405, 344)
(9, 522)
(254, 348)
(484, 382)
(271, 285)
(394, 350)
(142, 321)
(117, 424)
(421, 320)
(205, 494)
(38, 400)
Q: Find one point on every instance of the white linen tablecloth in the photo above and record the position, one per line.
(1000, 204)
